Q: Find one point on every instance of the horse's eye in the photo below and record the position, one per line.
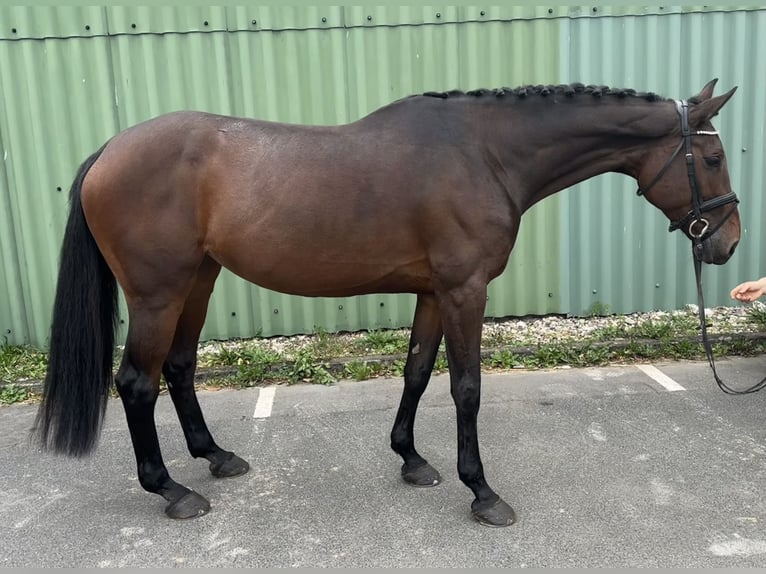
(713, 161)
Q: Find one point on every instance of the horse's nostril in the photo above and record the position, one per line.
(733, 248)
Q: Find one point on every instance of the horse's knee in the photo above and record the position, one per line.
(466, 395)
(416, 372)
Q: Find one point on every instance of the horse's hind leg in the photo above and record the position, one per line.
(150, 334)
(424, 343)
(179, 368)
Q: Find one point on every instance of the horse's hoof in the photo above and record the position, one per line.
(230, 466)
(190, 505)
(423, 475)
(496, 513)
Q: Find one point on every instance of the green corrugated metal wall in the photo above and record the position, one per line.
(72, 77)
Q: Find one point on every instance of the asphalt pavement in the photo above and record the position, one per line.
(617, 466)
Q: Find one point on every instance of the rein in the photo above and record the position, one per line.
(692, 219)
(706, 341)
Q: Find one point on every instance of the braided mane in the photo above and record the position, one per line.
(568, 90)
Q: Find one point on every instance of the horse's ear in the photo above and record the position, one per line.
(702, 112)
(707, 92)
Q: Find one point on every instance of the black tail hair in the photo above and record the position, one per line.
(81, 347)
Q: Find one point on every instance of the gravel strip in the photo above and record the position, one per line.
(522, 335)
(521, 332)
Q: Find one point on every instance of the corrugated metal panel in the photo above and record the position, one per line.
(62, 98)
(58, 100)
(745, 123)
(622, 254)
(158, 74)
(13, 322)
(416, 60)
(24, 22)
(312, 89)
(367, 16)
(253, 18)
(165, 19)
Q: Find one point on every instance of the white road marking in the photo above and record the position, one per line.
(663, 493)
(657, 375)
(738, 546)
(264, 403)
(596, 431)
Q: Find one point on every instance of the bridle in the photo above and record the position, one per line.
(699, 206)
(693, 219)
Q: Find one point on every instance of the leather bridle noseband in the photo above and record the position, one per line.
(693, 218)
(699, 206)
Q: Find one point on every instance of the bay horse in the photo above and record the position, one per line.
(424, 195)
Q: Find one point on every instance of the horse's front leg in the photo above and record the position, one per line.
(462, 310)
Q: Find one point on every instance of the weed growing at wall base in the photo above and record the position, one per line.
(10, 394)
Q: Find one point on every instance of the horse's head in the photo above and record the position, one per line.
(686, 177)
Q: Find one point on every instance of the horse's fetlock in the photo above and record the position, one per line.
(399, 441)
(153, 478)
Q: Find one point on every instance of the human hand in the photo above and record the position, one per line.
(749, 290)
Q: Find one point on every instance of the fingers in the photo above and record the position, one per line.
(746, 296)
(738, 292)
(749, 290)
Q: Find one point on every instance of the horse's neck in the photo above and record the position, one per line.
(558, 146)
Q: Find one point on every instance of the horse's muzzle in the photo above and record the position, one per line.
(713, 252)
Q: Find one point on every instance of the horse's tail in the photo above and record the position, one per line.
(81, 350)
